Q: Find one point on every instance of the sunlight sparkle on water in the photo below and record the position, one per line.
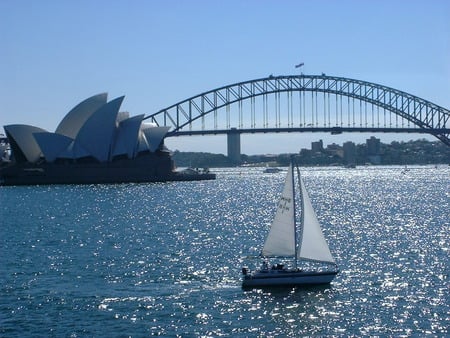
(160, 259)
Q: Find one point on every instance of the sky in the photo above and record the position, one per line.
(56, 53)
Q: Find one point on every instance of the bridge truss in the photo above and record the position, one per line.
(304, 103)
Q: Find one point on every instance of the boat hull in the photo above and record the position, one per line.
(287, 278)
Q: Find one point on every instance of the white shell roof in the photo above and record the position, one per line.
(154, 136)
(75, 119)
(127, 136)
(97, 133)
(92, 128)
(52, 145)
(22, 135)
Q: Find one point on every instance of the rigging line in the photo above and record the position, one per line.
(296, 234)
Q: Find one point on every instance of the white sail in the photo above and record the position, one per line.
(281, 238)
(312, 242)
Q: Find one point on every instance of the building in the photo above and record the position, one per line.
(335, 150)
(317, 147)
(94, 143)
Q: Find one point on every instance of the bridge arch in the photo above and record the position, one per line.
(423, 115)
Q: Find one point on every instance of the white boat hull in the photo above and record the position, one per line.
(265, 278)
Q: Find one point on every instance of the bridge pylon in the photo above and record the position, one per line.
(234, 146)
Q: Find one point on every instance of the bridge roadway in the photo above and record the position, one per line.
(332, 130)
(303, 103)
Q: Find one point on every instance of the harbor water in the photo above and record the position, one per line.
(134, 260)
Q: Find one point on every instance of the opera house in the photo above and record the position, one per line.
(94, 143)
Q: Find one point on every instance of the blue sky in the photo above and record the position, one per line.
(56, 53)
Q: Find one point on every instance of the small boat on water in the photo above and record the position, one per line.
(303, 241)
(272, 170)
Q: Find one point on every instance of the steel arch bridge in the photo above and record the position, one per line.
(304, 103)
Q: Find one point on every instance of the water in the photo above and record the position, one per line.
(164, 259)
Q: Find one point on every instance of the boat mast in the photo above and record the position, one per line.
(293, 204)
(299, 226)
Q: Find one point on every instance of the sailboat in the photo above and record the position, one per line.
(303, 241)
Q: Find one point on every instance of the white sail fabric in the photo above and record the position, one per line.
(313, 245)
(281, 238)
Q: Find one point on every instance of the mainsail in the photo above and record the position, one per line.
(282, 234)
(281, 238)
(313, 245)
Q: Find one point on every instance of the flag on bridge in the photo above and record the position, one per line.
(299, 65)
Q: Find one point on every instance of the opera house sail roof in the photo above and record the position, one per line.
(94, 143)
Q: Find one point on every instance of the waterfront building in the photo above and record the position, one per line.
(94, 143)
(317, 147)
(92, 130)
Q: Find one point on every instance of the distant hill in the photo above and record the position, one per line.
(397, 153)
(200, 160)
